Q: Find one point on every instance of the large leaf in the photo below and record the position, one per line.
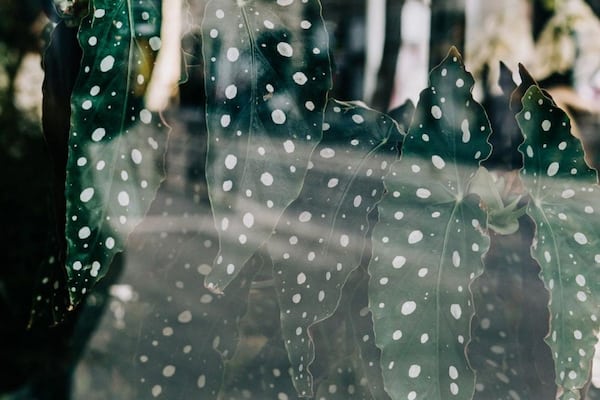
(564, 202)
(267, 75)
(319, 240)
(429, 242)
(116, 146)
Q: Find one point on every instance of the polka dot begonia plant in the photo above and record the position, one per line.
(312, 192)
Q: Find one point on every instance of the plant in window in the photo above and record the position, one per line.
(316, 194)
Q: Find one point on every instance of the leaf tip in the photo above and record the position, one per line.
(454, 53)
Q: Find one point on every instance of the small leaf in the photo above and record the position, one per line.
(267, 77)
(429, 242)
(320, 238)
(502, 218)
(116, 146)
(564, 205)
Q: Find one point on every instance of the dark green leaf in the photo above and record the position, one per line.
(564, 202)
(267, 75)
(320, 238)
(116, 146)
(429, 242)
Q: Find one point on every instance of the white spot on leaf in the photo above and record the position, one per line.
(436, 112)
(553, 169)
(546, 125)
(398, 262)
(285, 49)
(408, 308)
(278, 117)
(107, 63)
(414, 371)
(415, 237)
(266, 179)
(438, 162)
(456, 311)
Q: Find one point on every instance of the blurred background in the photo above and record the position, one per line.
(135, 339)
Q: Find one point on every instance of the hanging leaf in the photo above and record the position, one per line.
(116, 146)
(320, 238)
(564, 201)
(429, 242)
(267, 75)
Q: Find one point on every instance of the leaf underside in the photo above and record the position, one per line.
(320, 238)
(430, 242)
(563, 203)
(116, 146)
(267, 80)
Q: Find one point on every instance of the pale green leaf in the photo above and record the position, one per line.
(428, 245)
(267, 76)
(320, 238)
(564, 205)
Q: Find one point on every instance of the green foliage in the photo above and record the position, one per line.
(563, 194)
(266, 81)
(431, 238)
(326, 226)
(316, 185)
(116, 146)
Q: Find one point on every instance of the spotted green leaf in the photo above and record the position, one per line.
(116, 146)
(320, 238)
(428, 244)
(564, 203)
(267, 75)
